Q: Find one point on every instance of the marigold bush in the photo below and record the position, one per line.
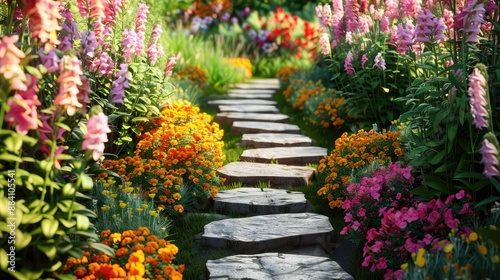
(138, 255)
(352, 152)
(180, 149)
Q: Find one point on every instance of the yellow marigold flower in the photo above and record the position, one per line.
(420, 260)
(116, 237)
(482, 249)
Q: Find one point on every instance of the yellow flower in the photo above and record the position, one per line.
(473, 236)
(482, 249)
(420, 261)
(448, 248)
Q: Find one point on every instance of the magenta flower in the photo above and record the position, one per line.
(324, 40)
(169, 67)
(477, 93)
(348, 64)
(69, 80)
(10, 63)
(120, 84)
(96, 136)
(489, 158)
(23, 108)
(379, 62)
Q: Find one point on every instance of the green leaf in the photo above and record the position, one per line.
(103, 248)
(49, 227)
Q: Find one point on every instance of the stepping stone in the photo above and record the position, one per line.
(276, 266)
(278, 175)
(285, 155)
(267, 140)
(249, 95)
(257, 201)
(258, 86)
(249, 108)
(265, 81)
(251, 91)
(266, 233)
(242, 127)
(229, 118)
(215, 103)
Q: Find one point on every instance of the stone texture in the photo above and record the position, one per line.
(242, 127)
(258, 86)
(249, 95)
(249, 108)
(230, 117)
(215, 103)
(278, 175)
(275, 266)
(257, 201)
(266, 233)
(268, 140)
(285, 155)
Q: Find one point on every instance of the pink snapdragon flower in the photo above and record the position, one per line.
(169, 67)
(324, 40)
(69, 80)
(489, 153)
(43, 20)
(120, 84)
(348, 64)
(96, 136)
(379, 62)
(10, 63)
(478, 103)
(364, 59)
(23, 108)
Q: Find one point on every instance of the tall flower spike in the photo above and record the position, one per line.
(478, 103)
(489, 153)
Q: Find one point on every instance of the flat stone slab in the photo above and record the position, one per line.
(267, 140)
(242, 127)
(249, 108)
(257, 201)
(285, 155)
(230, 117)
(265, 233)
(276, 266)
(258, 86)
(278, 175)
(215, 103)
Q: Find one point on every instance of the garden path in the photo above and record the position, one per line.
(279, 238)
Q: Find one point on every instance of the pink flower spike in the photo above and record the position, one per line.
(489, 158)
(477, 93)
(10, 63)
(94, 139)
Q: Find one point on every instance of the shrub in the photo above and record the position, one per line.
(352, 152)
(139, 254)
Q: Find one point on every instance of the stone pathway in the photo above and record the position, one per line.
(278, 238)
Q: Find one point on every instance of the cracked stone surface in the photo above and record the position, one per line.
(275, 266)
(268, 140)
(257, 201)
(278, 175)
(259, 86)
(215, 103)
(266, 233)
(249, 108)
(230, 117)
(242, 127)
(285, 155)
